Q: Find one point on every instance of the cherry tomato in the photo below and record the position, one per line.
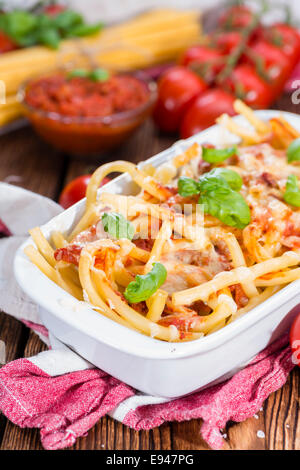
(238, 16)
(274, 62)
(6, 44)
(75, 190)
(286, 38)
(227, 41)
(295, 340)
(208, 62)
(200, 54)
(177, 88)
(205, 110)
(53, 10)
(247, 85)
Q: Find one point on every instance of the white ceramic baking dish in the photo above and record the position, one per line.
(152, 366)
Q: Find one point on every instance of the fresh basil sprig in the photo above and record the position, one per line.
(188, 187)
(293, 151)
(27, 29)
(212, 155)
(222, 202)
(97, 75)
(219, 196)
(117, 226)
(146, 285)
(84, 30)
(67, 20)
(292, 191)
(78, 73)
(19, 25)
(232, 177)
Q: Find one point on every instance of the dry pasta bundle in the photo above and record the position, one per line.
(188, 254)
(154, 37)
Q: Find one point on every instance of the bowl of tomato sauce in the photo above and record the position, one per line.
(85, 113)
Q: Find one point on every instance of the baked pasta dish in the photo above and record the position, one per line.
(210, 234)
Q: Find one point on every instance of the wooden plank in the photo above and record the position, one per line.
(186, 436)
(144, 144)
(16, 438)
(243, 436)
(30, 163)
(14, 335)
(34, 345)
(282, 416)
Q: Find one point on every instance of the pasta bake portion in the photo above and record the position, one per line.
(210, 235)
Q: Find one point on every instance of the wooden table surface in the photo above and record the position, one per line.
(31, 164)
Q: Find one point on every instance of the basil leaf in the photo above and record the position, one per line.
(231, 177)
(68, 19)
(49, 37)
(82, 73)
(293, 151)
(292, 191)
(117, 226)
(212, 155)
(99, 75)
(84, 30)
(27, 29)
(187, 186)
(18, 23)
(28, 40)
(46, 21)
(146, 285)
(209, 182)
(220, 201)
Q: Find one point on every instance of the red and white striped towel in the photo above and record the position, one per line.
(63, 395)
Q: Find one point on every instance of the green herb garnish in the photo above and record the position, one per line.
(84, 30)
(67, 20)
(97, 75)
(27, 29)
(146, 285)
(188, 187)
(222, 202)
(219, 196)
(81, 73)
(117, 226)
(292, 191)
(232, 177)
(212, 155)
(293, 151)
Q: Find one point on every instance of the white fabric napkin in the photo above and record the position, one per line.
(20, 210)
